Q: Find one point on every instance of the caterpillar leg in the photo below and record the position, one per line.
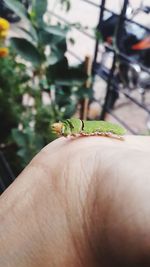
(112, 135)
(72, 136)
(107, 134)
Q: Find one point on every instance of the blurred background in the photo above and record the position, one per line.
(62, 58)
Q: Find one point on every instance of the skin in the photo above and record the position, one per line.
(80, 202)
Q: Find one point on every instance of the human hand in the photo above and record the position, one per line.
(80, 202)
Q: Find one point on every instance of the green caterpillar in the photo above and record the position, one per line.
(77, 127)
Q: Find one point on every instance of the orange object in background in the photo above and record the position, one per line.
(4, 51)
(144, 44)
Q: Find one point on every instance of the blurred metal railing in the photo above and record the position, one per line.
(108, 75)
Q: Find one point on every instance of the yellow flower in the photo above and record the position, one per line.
(4, 51)
(3, 34)
(4, 24)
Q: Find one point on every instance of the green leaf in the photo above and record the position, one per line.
(57, 52)
(49, 38)
(61, 47)
(56, 30)
(55, 57)
(22, 153)
(45, 37)
(70, 109)
(27, 50)
(17, 7)
(58, 70)
(65, 75)
(31, 34)
(19, 138)
(39, 8)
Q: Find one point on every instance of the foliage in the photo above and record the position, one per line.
(38, 69)
(12, 79)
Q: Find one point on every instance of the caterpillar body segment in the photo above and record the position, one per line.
(72, 127)
(102, 127)
(77, 127)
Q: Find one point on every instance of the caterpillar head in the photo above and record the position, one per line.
(57, 127)
(62, 128)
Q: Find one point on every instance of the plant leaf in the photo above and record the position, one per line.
(61, 46)
(19, 137)
(31, 36)
(55, 56)
(53, 36)
(58, 70)
(39, 8)
(27, 50)
(56, 30)
(65, 75)
(17, 7)
(57, 52)
(45, 37)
